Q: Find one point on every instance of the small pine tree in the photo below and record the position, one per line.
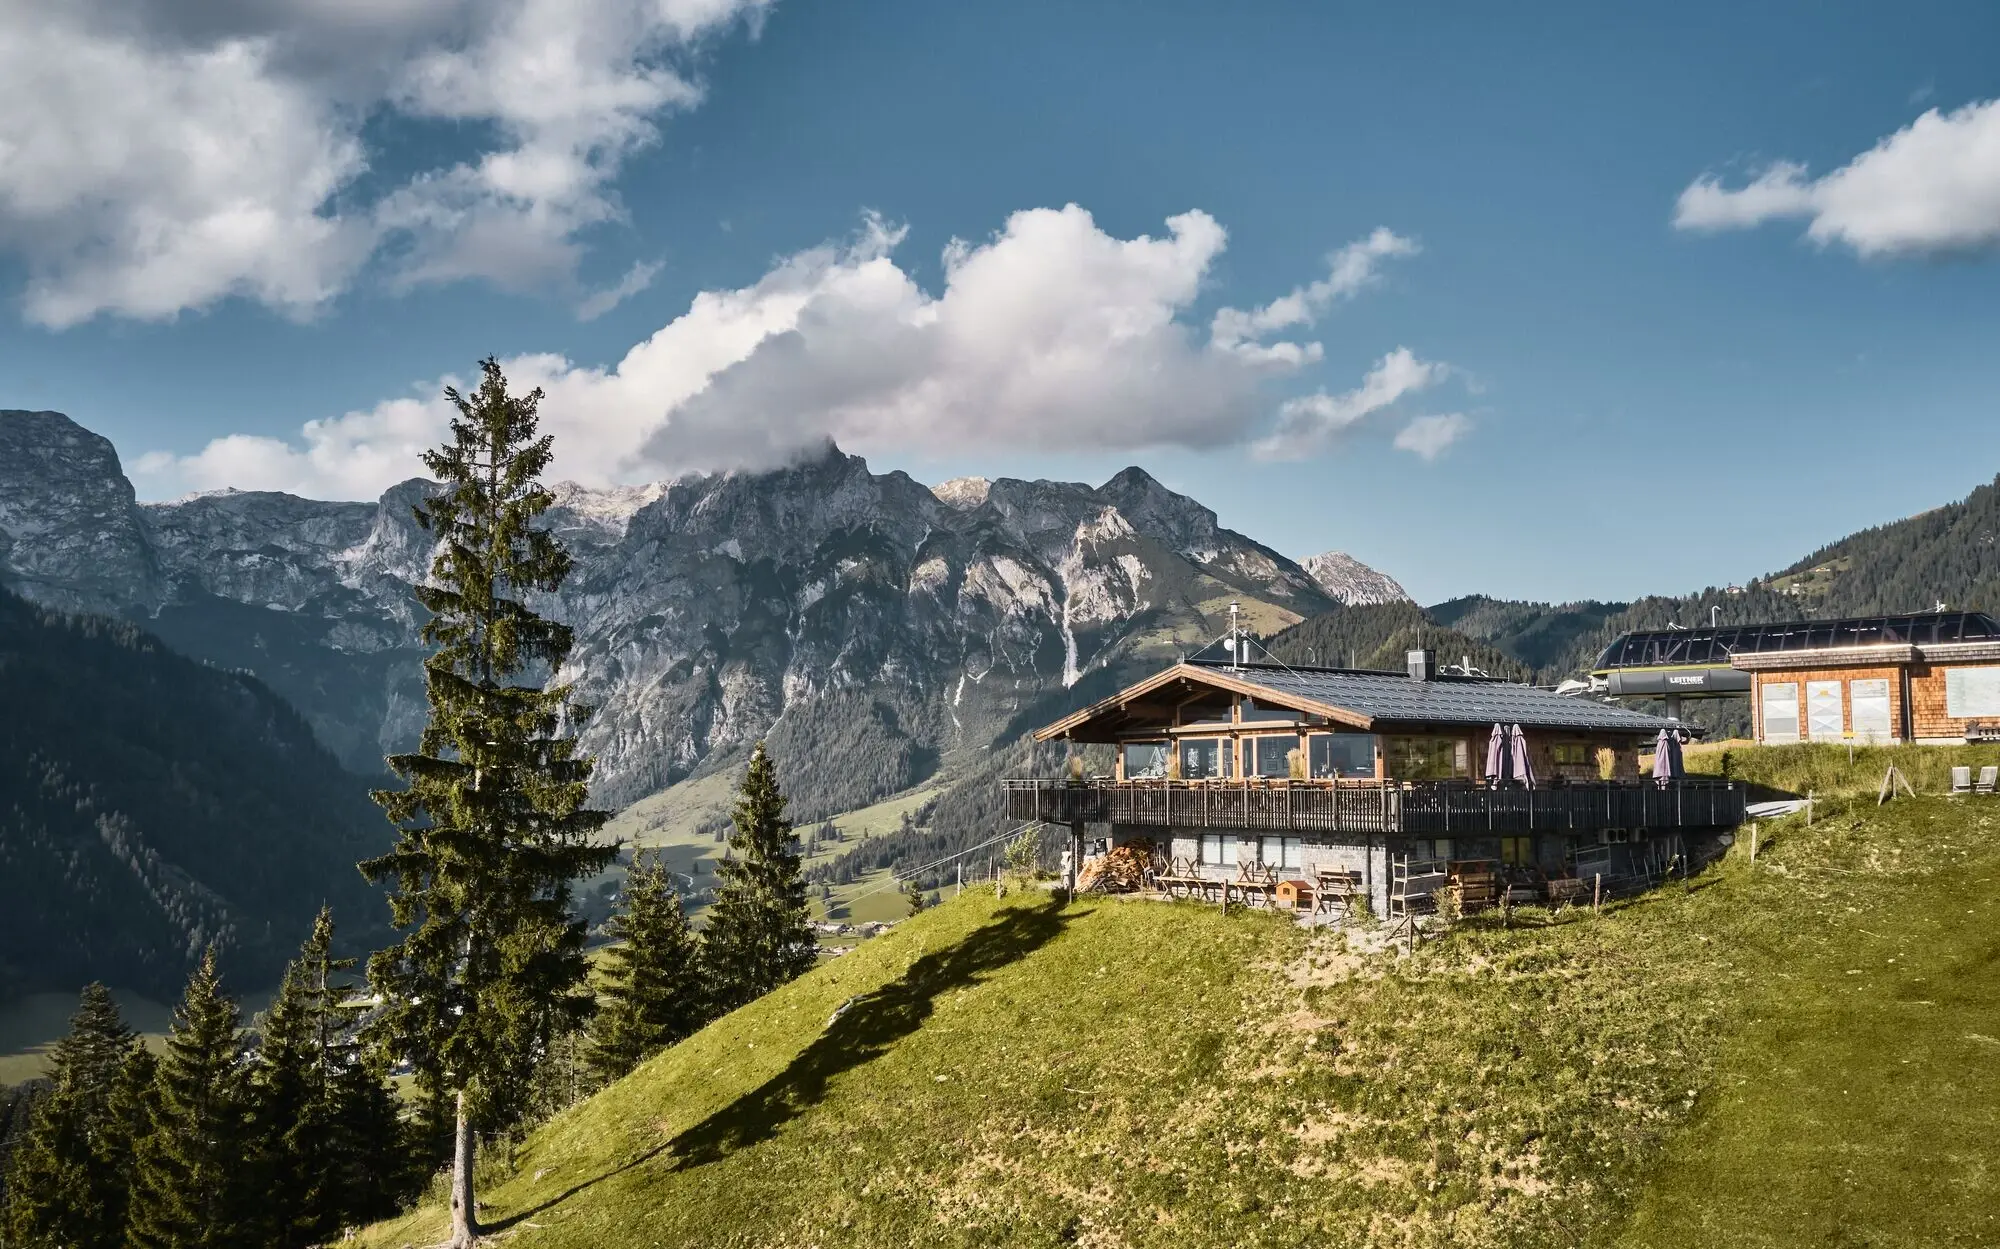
(371, 1164)
(191, 1189)
(493, 827)
(759, 934)
(913, 896)
(653, 992)
(67, 1182)
(318, 1106)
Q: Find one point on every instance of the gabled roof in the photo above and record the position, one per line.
(1364, 700)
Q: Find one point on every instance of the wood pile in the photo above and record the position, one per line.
(1122, 870)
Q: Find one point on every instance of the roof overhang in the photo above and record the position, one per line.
(1077, 725)
(1868, 656)
(1826, 657)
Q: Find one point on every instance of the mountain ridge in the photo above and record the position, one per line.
(818, 600)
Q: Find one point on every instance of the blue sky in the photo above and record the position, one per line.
(1613, 378)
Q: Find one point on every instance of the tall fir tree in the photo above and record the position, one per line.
(758, 934)
(318, 1106)
(191, 1186)
(493, 824)
(653, 994)
(67, 1182)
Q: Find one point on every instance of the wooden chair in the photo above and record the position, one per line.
(1989, 779)
(1961, 780)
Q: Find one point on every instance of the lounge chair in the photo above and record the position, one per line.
(1989, 779)
(1961, 780)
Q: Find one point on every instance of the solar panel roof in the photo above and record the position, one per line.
(1444, 700)
(1655, 648)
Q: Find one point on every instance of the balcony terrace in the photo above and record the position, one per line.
(1418, 808)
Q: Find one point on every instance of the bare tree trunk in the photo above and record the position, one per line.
(464, 1214)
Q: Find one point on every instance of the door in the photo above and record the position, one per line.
(1824, 721)
(1869, 704)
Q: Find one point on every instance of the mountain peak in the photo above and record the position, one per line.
(963, 493)
(1346, 579)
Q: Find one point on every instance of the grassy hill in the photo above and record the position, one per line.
(1803, 1053)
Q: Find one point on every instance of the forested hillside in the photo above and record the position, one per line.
(1948, 555)
(150, 805)
(1380, 635)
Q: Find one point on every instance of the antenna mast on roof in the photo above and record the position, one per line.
(1235, 636)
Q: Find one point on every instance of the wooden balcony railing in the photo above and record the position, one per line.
(1425, 809)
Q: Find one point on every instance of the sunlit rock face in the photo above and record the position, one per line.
(1345, 579)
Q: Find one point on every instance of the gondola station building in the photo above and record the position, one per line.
(1926, 678)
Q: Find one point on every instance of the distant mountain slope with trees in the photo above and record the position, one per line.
(1948, 555)
(150, 805)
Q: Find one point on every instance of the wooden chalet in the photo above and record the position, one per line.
(1371, 784)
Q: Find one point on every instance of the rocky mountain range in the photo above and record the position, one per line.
(1348, 581)
(867, 622)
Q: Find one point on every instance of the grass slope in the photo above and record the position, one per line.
(1736, 1062)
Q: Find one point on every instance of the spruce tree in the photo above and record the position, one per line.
(191, 1185)
(653, 993)
(492, 825)
(758, 934)
(324, 1121)
(68, 1178)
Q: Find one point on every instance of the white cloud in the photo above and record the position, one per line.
(1311, 424)
(1428, 436)
(1931, 187)
(1350, 270)
(1052, 335)
(158, 156)
(636, 279)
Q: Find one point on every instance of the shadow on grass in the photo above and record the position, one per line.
(865, 1030)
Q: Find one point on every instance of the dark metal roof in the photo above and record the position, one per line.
(1394, 696)
(1713, 647)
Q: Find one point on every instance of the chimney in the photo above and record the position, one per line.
(1423, 665)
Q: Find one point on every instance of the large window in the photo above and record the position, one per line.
(1342, 754)
(1428, 758)
(1824, 721)
(1279, 852)
(1145, 760)
(1868, 701)
(1571, 755)
(1517, 851)
(1270, 755)
(1218, 849)
(1971, 692)
(1206, 758)
(1781, 712)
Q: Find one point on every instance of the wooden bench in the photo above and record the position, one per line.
(1256, 879)
(1180, 878)
(1336, 888)
(1478, 888)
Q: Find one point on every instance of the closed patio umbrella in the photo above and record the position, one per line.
(1524, 767)
(1498, 758)
(1667, 762)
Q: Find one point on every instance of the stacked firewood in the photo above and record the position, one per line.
(1122, 870)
